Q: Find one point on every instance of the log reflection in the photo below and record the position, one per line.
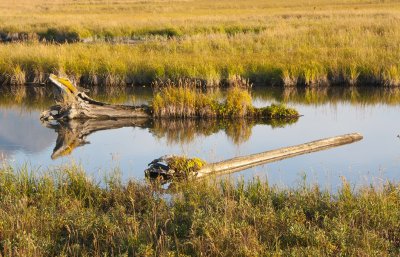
(73, 133)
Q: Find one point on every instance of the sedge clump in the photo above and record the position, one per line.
(276, 111)
(185, 100)
(185, 167)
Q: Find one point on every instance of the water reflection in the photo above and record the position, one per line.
(73, 134)
(329, 95)
(42, 97)
(327, 112)
(19, 131)
(27, 97)
(184, 131)
(122, 95)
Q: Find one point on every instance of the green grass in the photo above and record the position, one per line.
(64, 212)
(353, 42)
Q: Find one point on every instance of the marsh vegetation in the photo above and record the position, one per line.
(302, 46)
(66, 212)
(292, 43)
(185, 100)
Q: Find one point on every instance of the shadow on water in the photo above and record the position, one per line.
(73, 134)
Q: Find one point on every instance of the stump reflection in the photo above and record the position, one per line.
(73, 133)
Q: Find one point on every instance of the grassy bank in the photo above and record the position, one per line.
(64, 212)
(269, 42)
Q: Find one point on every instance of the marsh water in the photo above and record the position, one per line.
(327, 112)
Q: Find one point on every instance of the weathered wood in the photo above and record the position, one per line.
(160, 166)
(73, 104)
(245, 162)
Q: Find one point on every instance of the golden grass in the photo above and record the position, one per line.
(105, 18)
(287, 43)
(185, 100)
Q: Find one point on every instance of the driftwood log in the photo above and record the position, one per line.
(74, 104)
(159, 168)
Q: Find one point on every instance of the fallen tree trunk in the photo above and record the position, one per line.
(245, 162)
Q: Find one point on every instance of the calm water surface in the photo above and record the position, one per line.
(327, 112)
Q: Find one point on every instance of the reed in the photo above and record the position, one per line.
(64, 212)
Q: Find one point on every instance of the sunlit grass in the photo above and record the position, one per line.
(269, 42)
(103, 19)
(65, 212)
(185, 100)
